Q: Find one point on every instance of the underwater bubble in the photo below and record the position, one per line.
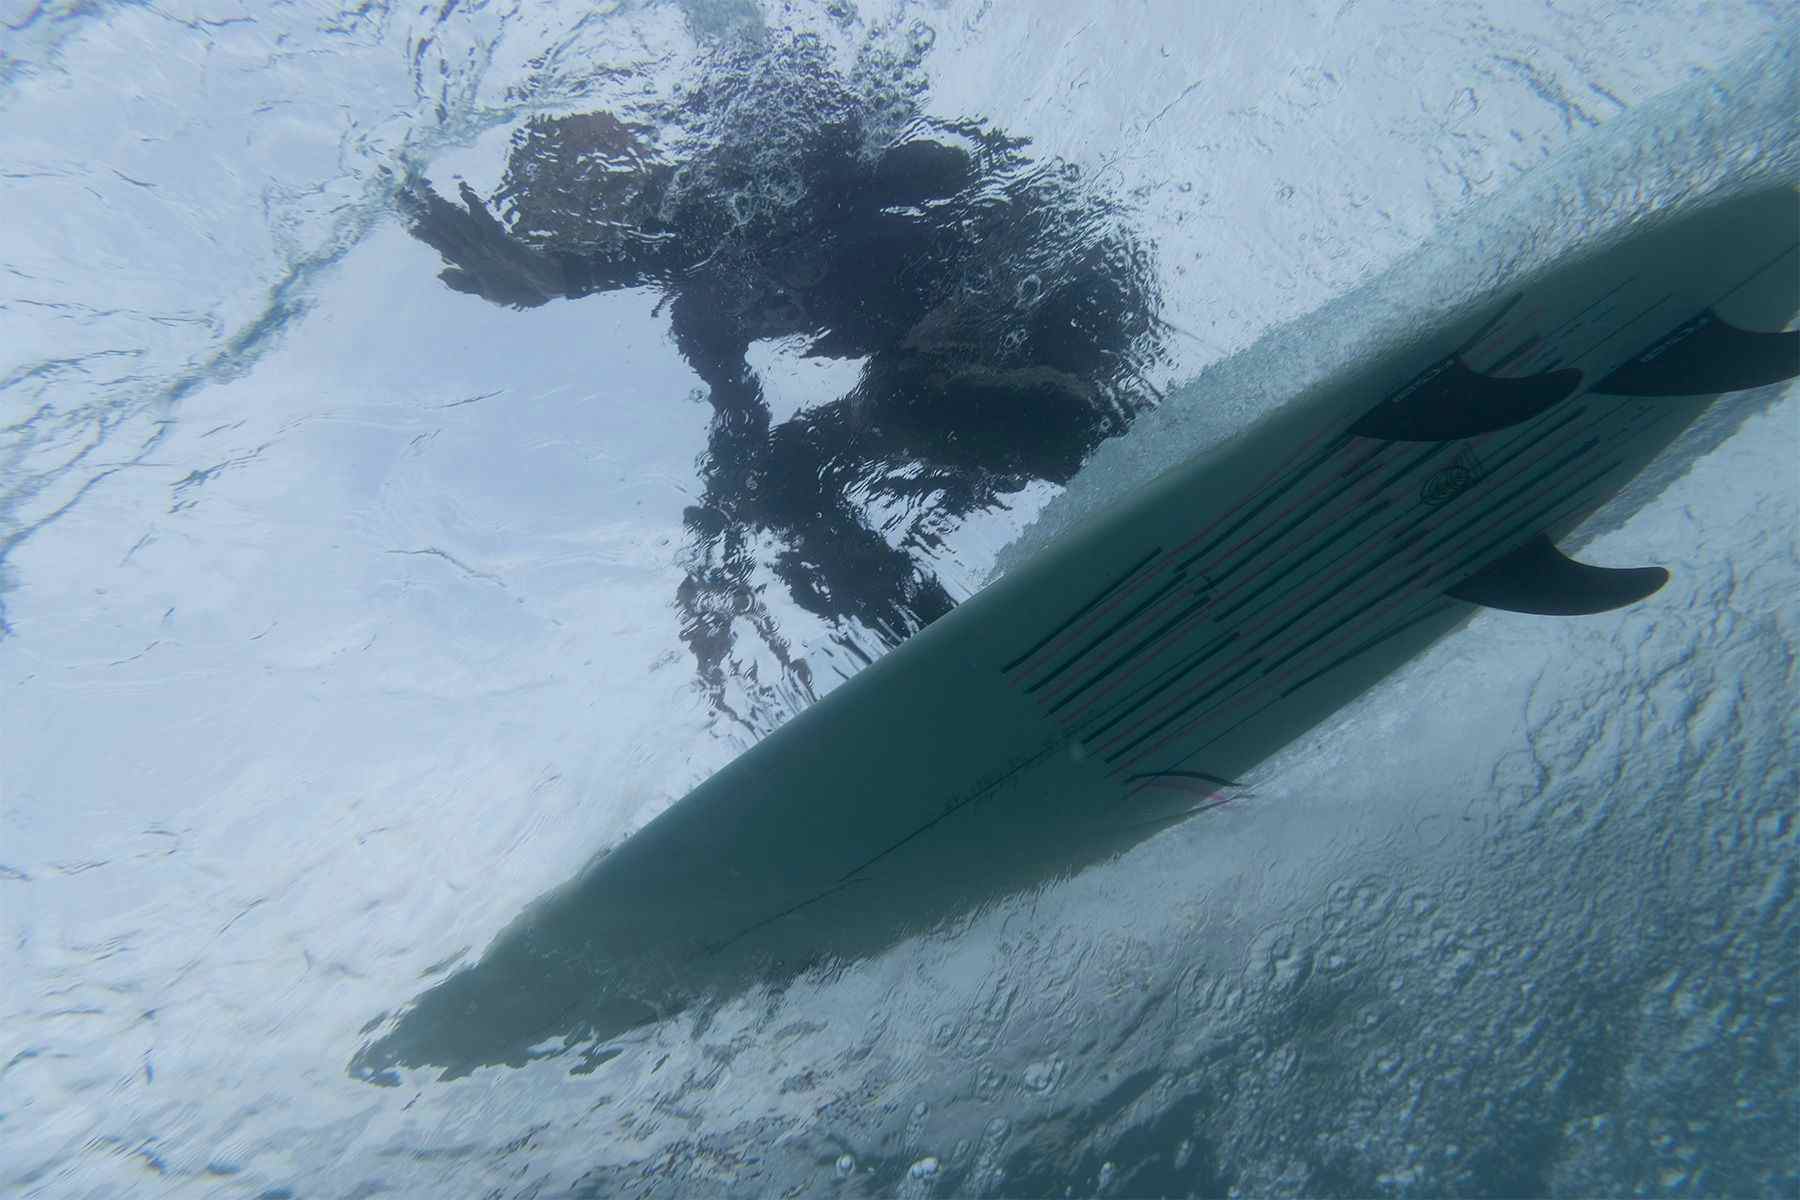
(786, 189)
(1042, 1076)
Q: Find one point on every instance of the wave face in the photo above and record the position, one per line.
(433, 440)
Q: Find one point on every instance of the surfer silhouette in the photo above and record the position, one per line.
(1001, 308)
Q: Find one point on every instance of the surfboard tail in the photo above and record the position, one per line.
(1702, 357)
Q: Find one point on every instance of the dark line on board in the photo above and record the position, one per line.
(1315, 603)
(1093, 643)
(980, 793)
(1381, 505)
(1366, 646)
(1543, 475)
(1491, 513)
(1177, 714)
(1383, 500)
(1267, 539)
(1380, 502)
(1342, 622)
(1086, 608)
(1743, 283)
(1622, 327)
(1318, 460)
(1285, 469)
(1182, 615)
(1302, 617)
(1435, 606)
(1373, 510)
(1539, 518)
(1135, 703)
(1576, 319)
(745, 932)
(1540, 476)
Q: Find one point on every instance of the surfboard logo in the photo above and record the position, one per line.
(1452, 481)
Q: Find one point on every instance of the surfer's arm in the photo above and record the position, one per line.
(484, 259)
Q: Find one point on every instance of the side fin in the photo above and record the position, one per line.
(1704, 356)
(1451, 401)
(1539, 578)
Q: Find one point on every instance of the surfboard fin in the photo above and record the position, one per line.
(1704, 356)
(1539, 578)
(1451, 401)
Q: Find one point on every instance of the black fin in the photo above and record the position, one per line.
(1450, 402)
(1539, 578)
(1704, 356)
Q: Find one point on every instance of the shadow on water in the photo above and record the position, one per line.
(1001, 310)
(1004, 316)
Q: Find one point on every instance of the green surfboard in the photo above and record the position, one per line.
(1135, 672)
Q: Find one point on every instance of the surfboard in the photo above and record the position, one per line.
(1136, 671)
